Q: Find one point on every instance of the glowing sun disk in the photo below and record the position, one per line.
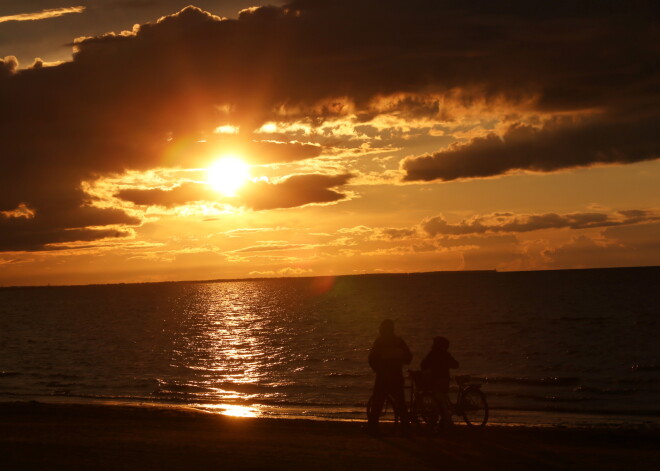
(228, 174)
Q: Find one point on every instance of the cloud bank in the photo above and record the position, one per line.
(295, 190)
(143, 99)
(512, 223)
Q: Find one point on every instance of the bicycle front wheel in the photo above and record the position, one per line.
(474, 407)
(388, 417)
(426, 410)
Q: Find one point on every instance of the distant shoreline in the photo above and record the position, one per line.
(350, 275)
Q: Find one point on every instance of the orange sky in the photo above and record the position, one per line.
(499, 141)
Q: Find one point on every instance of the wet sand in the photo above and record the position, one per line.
(99, 437)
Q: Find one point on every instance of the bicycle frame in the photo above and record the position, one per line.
(463, 385)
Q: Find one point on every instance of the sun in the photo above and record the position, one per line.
(228, 174)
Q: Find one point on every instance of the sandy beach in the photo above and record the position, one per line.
(55, 436)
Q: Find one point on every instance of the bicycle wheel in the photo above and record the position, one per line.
(426, 410)
(388, 419)
(474, 407)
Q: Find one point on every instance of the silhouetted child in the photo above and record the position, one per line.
(436, 367)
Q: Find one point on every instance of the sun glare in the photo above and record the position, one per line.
(228, 174)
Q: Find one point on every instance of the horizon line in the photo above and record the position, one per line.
(229, 280)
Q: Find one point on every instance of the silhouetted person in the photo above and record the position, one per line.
(387, 357)
(436, 367)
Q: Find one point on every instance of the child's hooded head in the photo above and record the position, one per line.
(440, 343)
(387, 328)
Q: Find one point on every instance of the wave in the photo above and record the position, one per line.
(64, 376)
(7, 374)
(547, 381)
(345, 375)
(606, 391)
(582, 410)
(552, 399)
(288, 407)
(582, 319)
(646, 367)
(647, 381)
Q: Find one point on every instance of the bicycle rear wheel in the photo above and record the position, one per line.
(474, 407)
(388, 418)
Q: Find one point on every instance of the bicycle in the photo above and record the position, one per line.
(423, 407)
(470, 403)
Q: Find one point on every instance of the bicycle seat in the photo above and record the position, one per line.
(421, 380)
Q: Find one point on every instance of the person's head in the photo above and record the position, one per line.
(386, 328)
(440, 343)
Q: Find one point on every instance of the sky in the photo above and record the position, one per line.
(154, 140)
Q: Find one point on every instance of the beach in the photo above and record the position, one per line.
(36, 435)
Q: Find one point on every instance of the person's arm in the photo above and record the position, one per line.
(452, 361)
(407, 355)
(373, 356)
(427, 362)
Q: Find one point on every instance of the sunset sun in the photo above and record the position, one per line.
(228, 174)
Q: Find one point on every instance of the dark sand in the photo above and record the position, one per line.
(99, 437)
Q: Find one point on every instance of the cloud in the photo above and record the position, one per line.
(622, 246)
(286, 271)
(177, 196)
(25, 229)
(142, 99)
(31, 240)
(551, 147)
(8, 66)
(512, 223)
(256, 152)
(22, 211)
(396, 233)
(252, 230)
(268, 152)
(43, 14)
(295, 190)
(272, 246)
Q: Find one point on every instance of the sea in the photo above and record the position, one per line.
(567, 347)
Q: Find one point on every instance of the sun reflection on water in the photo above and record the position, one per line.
(225, 346)
(258, 348)
(233, 410)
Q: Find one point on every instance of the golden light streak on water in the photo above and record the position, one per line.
(232, 410)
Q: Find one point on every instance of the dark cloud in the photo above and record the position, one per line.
(134, 101)
(510, 222)
(266, 152)
(17, 235)
(397, 233)
(133, 3)
(8, 66)
(25, 228)
(296, 190)
(177, 196)
(552, 147)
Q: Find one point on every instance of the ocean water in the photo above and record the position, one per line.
(548, 347)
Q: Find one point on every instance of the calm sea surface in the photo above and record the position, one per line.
(549, 347)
